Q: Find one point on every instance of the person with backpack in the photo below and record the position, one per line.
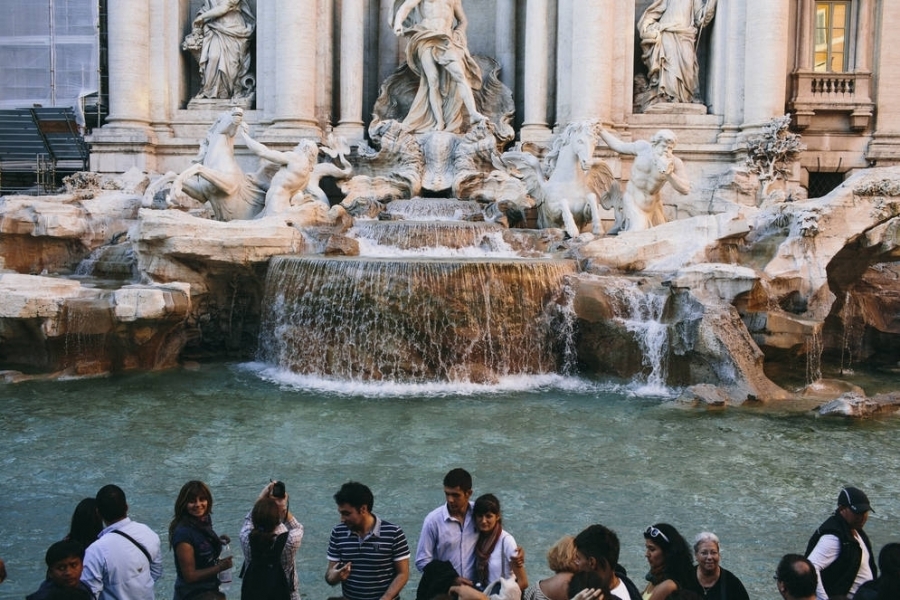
(270, 538)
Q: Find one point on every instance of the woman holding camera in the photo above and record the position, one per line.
(196, 545)
(270, 537)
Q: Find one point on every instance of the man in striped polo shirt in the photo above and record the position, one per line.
(367, 556)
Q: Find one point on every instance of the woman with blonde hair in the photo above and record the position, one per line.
(562, 558)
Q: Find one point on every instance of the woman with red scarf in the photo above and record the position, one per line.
(496, 553)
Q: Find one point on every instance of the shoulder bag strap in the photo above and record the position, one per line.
(135, 542)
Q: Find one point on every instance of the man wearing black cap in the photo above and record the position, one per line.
(840, 550)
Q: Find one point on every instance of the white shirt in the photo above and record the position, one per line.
(445, 538)
(620, 591)
(116, 569)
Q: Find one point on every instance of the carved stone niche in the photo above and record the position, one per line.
(236, 34)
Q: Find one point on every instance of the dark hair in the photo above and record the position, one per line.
(111, 503)
(356, 495)
(584, 580)
(266, 515)
(62, 550)
(678, 565)
(189, 492)
(86, 524)
(458, 478)
(600, 543)
(889, 564)
(798, 575)
(486, 504)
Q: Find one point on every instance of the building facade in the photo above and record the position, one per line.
(318, 66)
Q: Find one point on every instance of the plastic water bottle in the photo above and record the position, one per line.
(225, 576)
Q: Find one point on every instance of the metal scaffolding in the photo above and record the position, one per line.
(50, 52)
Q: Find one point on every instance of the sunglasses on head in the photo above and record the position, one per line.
(654, 532)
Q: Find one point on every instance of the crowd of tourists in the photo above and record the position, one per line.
(463, 553)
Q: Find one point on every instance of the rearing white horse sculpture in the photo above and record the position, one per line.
(217, 178)
(567, 186)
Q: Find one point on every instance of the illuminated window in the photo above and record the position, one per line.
(832, 36)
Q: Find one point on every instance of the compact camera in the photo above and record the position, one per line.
(278, 490)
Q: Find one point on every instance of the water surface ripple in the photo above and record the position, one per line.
(559, 452)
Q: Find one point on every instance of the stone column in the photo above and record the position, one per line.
(805, 26)
(129, 92)
(563, 63)
(127, 140)
(726, 85)
(864, 32)
(765, 51)
(388, 43)
(293, 69)
(505, 42)
(537, 51)
(592, 39)
(885, 146)
(353, 15)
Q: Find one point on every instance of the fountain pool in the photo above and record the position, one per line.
(560, 453)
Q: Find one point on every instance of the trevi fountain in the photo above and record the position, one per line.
(448, 288)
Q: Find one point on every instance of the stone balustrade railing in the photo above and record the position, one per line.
(832, 92)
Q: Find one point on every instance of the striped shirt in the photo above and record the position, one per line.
(373, 557)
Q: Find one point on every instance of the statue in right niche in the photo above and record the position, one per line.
(669, 31)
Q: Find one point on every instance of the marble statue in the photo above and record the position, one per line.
(389, 172)
(220, 41)
(568, 195)
(669, 32)
(437, 51)
(640, 207)
(216, 176)
(297, 180)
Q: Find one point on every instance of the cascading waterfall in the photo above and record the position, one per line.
(814, 350)
(387, 237)
(433, 209)
(641, 313)
(851, 338)
(86, 327)
(113, 261)
(415, 320)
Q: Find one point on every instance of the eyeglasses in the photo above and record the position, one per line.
(654, 532)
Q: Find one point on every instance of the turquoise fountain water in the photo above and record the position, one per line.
(559, 452)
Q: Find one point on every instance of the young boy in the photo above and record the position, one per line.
(64, 564)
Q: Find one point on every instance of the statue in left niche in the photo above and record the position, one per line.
(220, 42)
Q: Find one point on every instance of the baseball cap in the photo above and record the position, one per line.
(855, 499)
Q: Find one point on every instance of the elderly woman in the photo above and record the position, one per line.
(562, 558)
(714, 582)
(669, 558)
